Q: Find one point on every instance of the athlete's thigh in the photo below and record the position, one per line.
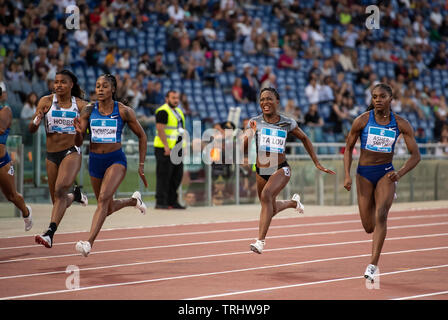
(261, 182)
(7, 181)
(52, 174)
(384, 194)
(68, 170)
(112, 179)
(277, 182)
(366, 198)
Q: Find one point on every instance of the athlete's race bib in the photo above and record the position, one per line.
(272, 140)
(103, 131)
(62, 121)
(380, 139)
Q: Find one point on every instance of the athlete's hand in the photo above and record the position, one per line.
(348, 183)
(38, 118)
(321, 168)
(394, 176)
(77, 125)
(141, 173)
(253, 125)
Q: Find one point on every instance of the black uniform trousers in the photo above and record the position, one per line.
(169, 177)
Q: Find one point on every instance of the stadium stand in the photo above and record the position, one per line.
(199, 47)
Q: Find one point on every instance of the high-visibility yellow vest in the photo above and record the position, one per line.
(171, 129)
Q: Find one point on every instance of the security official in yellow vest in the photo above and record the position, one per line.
(170, 124)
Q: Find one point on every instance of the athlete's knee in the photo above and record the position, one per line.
(60, 191)
(104, 200)
(265, 197)
(382, 214)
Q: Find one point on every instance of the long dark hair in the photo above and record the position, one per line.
(383, 86)
(76, 89)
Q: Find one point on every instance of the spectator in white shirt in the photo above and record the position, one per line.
(436, 16)
(176, 12)
(312, 91)
(82, 35)
(123, 62)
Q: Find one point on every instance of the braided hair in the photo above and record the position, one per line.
(113, 82)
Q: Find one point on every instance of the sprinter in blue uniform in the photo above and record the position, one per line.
(7, 181)
(376, 177)
(107, 161)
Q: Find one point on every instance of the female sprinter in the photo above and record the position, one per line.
(273, 172)
(7, 183)
(378, 129)
(63, 157)
(107, 161)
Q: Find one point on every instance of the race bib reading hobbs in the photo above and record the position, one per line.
(104, 131)
(62, 121)
(272, 140)
(380, 139)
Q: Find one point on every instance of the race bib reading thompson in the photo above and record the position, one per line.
(380, 139)
(272, 140)
(62, 121)
(104, 131)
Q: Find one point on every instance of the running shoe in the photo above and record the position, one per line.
(79, 196)
(258, 246)
(299, 208)
(44, 240)
(140, 204)
(28, 220)
(83, 247)
(370, 272)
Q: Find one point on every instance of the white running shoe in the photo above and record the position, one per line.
(83, 247)
(140, 204)
(299, 208)
(44, 240)
(28, 220)
(258, 246)
(370, 272)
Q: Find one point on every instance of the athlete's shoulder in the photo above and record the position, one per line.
(361, 121)
(46, 99)
(402, 123)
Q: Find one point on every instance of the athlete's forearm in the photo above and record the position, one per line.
(410, 164)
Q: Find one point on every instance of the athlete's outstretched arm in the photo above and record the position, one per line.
(297, 132)
(128, 115)
(5, 119)
(409, 138)
(352, 137)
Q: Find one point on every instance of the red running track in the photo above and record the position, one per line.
(305, 258)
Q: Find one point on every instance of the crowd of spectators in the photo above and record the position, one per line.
(192, 28)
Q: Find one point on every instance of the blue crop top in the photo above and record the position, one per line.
(380, 138)
(106, 129)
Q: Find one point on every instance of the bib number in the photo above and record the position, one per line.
(104, 131)
(272, 140)
(380, 140)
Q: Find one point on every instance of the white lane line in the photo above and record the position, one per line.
(220, 255)
(230, 230)
(220, 241)
(242, 221)
(308, 283)
(220, 273)
(422, 295)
